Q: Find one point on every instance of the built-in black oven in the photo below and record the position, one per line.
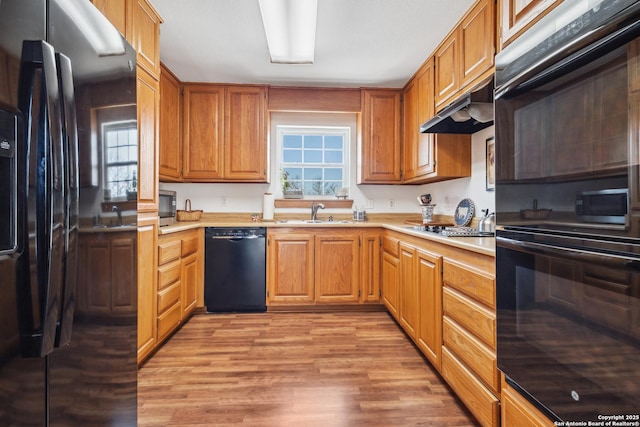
(567, 126)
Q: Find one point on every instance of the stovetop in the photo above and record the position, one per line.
(452, 231)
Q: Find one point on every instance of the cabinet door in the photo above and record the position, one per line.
(380, 151)
(145, 37)
(429, 334)
(170, 164)
(147, 289)
(203, 132)
(515, 410)
(370, 267)
(336, 269)
(409, 291)
(189, 281)
(290, 274)
(424, 155)
(98, 257)
(115, 11)
(245, 152)
(477, 43)
(148, 114)
(446, 70)
(123, 278)
(390, 283)
(410, 130)
(518, 15)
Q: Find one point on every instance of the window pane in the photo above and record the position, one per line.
(313, 141)
(331, 187)
(292, 141)
(333, 174)
(312, 173)
(312, 156)
(333, 156)
(313, 187)
(333, 141)
(292, 156)
(294, 173)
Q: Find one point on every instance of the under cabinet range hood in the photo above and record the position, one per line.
(468, 114)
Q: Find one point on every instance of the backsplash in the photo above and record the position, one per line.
(383, 198)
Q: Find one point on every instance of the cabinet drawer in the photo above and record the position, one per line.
(472, 283)
(478, 399)
(472, 316)
(391, 246)
(168, 321)
(168, 251)
(189, 245)
(473, 353)
(167, 274)
(168, 296)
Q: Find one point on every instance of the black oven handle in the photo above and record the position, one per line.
(581, 50)
(584, 256)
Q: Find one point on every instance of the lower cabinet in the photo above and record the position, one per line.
(179, 273)
(444, 299)
(110, 259)
(147, 285)
(320, 266)
(515, 410)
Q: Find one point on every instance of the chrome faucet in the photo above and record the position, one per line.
(314, 209)
(117, 210)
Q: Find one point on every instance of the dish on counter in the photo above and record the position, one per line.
(464, 212)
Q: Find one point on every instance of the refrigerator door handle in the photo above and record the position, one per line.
(70, 159)
(41, 178)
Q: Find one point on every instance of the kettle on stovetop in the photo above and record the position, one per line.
(487, 223)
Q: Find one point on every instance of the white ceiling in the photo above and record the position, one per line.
(377, 43)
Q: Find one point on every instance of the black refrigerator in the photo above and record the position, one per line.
(68, 167)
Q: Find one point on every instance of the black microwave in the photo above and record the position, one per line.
(603, 206)
(167, 207)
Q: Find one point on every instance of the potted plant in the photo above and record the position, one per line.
(290, 189)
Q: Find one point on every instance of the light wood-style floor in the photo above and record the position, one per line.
(294, 369)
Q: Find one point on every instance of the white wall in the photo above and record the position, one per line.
(446, 195)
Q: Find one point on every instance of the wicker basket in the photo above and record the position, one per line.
(187, 214)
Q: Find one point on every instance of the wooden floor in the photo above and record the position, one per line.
(293, 369)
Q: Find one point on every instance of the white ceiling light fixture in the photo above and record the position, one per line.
(290, 27)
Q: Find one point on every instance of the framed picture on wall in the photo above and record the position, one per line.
(491, 164)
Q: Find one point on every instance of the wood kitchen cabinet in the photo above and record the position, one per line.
(111, 260)
(515, 410)
(391, 274)
(380, 146)
(170, 150)
(409, 313)
(224, 133)
(290, 266)
(466, 57)
(147, 284)
(516, 16)
(180, 275)
(322, 266)
(145, 36)
(469, 362)
(118, 12)
(429, 331)
(148, 127)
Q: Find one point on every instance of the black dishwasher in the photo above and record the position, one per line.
(235, 269)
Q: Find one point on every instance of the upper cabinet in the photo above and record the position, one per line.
(518, 15)
(145, 36)
(224, 133)
(380, 150)
(117, 12)
(429, 157)
(170, 166)
(466, 57)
